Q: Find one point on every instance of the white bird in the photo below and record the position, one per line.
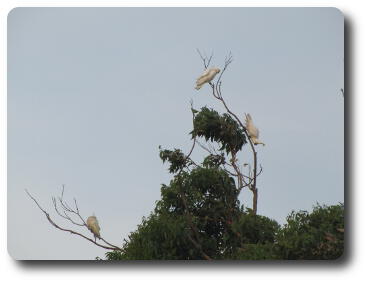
(252, 130)
(93, 226)
(206, 77)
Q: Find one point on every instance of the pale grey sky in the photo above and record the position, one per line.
(93, 92)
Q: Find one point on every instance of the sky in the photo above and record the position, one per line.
(93, 92)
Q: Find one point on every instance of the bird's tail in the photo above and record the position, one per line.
(256, 141)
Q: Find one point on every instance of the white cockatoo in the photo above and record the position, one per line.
(206, 77)
(93, 226)
(252, 130)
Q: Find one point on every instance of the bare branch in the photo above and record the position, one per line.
(228, 60)
(66, 207)
(209, 60)
(66, 216)
(261, 170)
(204, 147)
(205, 59)
(201, 56)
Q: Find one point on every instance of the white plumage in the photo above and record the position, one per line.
(252, 131)
(93, 226)
(206, 77)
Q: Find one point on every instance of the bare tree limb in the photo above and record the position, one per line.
(65, 206)
(205, 59)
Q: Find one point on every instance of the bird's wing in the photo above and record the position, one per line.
(203, 77)
(92, 222)
(248, 117)
(206, 72)
(97, 225)
(93, 225)
(89, 222)
(248, 121)
(253, 131)
(212, 74)
(256, 132)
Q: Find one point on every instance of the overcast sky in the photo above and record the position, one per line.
(92, 93)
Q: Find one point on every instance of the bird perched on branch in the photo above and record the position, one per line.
(93, 226)
(252, 130)
(206, 77)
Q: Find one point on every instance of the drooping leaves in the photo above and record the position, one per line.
(214, 160)
(223, 129)
(315, 235)
(175, 157)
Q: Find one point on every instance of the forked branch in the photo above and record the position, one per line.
(64, 210)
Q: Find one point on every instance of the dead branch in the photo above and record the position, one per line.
(205, 59)
(75, 211)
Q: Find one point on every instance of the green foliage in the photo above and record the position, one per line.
(315, 235)
(214, 160)
(256, 229)
(204, 190)
(257, 252)
(211, 199)
(223, 129)
(245, 236)
(257, 235)
(225, 230)
(175, 157)
(160, 236)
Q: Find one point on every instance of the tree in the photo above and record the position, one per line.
(201, 202)
(315, 235)
(243, 180)
(199, 215)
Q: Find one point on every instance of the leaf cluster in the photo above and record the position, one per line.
(223, 129)
(175, 157)
(316, 235)
(213, 160)
(256, 229)
(160, 236)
